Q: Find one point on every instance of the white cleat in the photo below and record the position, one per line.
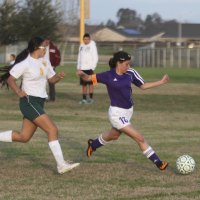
(83, 101)
(67, 166)
(90, 101)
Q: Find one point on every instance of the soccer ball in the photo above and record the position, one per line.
(185, 164)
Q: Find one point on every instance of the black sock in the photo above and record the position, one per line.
(84, 96)
(96, 144)
(91, 95)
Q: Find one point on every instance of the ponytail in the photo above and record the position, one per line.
(112, 63)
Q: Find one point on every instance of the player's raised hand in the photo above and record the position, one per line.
(79, 72)
(165, 79)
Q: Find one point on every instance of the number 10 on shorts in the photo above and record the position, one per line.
(123, 120)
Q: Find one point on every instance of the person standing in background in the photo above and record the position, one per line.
(12, 59)
(87, 62)
(53, 55)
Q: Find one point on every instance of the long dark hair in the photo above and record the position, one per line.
(119, 56)
(33, 44)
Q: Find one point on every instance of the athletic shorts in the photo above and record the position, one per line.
(120, 117)
(83, 82)
(31, 107)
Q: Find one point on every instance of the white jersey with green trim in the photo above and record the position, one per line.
(35, 74)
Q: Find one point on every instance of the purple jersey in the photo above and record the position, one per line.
(119, 86)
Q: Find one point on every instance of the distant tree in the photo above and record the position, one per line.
(170, 22)
(30, 18)
(36, 18)
(153, 19)
(7, 14)
(129, 18)
(153, 23)
(110, 23)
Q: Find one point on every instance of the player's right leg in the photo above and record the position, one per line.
(90, 100)
(84, 91)
(146, 149)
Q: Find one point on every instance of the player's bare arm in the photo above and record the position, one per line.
(83, 75)
(149, 85)
(13, 85)
(57, 77)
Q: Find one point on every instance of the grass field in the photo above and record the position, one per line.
(168, 117)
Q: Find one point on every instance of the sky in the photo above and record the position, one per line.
(185, 11)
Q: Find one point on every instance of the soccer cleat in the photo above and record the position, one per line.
(90, 101)
(83, 101)
(89, 149)
(67, 166)
(163, 165)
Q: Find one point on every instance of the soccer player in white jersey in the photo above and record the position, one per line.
(118, 81)
(35, 71)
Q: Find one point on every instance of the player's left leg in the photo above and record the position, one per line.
(46, 124)
(103, 139)
(146, 149)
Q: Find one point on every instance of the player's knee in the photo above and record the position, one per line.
(115, 137)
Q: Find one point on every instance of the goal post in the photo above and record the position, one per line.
(84, 14)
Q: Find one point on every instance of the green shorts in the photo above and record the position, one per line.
(31, 107)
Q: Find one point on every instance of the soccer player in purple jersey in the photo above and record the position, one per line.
(118, 81)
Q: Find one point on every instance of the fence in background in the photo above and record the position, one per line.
(168, 57)
(177, 57)
(5, 51)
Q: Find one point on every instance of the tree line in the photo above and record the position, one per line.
(153, 23)
(20, 22)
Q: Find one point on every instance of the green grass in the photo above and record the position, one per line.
(167, 116)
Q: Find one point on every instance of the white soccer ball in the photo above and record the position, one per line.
(185, 164)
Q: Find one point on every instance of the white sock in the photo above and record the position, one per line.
(6, 136)
(102, 141)
(57, 152)
(148, 152)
